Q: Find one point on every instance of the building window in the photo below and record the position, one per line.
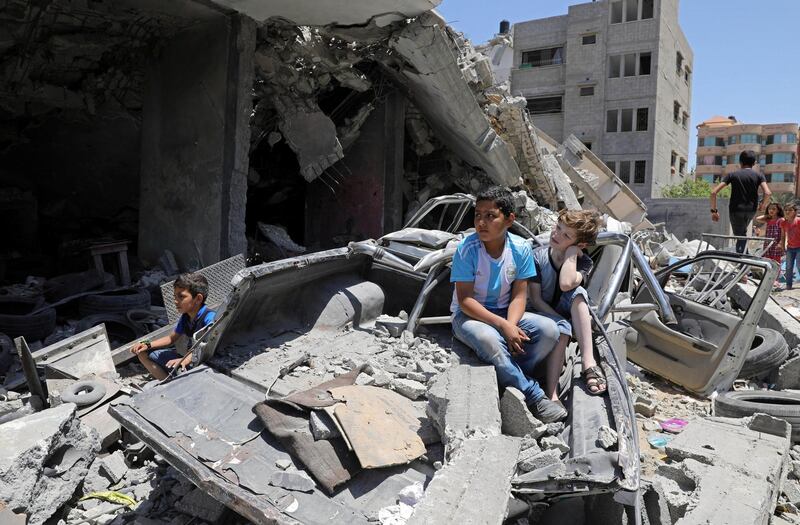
(710, 141)
(644, 63)
(673, 158)
(782, 138)
(679, 63)
(732, 159)
(614, 64)
(685, 120)
(543, 57)
(780, 158)
(733, 139)
(627, 120)
(624, 171)
(780, 177)
(616, 12)
(631, 10)
(545, 105)
(641, 119)
(611, 120)
(587, 144)
(749, 138)
(686, 74)
(630, 65)
(587, 91)
(589, 39)
(612, 165)
(676, 112)
(647, 9)
(682, 166)
(638, 171)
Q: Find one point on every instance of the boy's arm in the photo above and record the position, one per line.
(519, 296)
(474, 309)
(538, 303)
(161, 342)
(569, 277)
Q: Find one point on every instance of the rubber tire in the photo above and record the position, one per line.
(770, 350)
(122, 326)
(745, 403)
(117, 301)
(95, 391)
(31, 326)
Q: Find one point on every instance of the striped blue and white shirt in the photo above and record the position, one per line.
(492, 277)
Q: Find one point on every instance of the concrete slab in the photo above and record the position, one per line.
(730, 470)
(457, 495)
(200, 505)
(516, 418)
(51, 441)
(464, 403)
(773, 316)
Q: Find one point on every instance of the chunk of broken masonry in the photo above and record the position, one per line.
(51, 439)
(517, 419)
(322, 427)
(452, 494)
(408, 388)
(606, 437)
(200, 505)
(113, 466)
(542, 459)
(554, 442)
(463, 403)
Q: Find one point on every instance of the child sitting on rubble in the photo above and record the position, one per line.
(191, 290)
(490, 272)
(556, 291)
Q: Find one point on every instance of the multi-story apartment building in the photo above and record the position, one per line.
(720, 140)
(617, 74)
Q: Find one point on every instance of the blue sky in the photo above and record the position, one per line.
(746, 54)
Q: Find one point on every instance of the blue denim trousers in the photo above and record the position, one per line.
(491, 347)
(792, 261)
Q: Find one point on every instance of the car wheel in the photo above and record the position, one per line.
(116, 301)
(782, 405)
(20, 316)
(84, 393)
(768, 351)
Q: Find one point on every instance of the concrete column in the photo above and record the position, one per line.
(195, 140)
(369, 202)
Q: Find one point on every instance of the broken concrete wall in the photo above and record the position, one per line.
(688, 218)
(43, 458)
(195, 133)
(368, 200)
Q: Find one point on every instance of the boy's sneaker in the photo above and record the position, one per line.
(548, 411)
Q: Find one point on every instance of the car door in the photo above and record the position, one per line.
(705, 350)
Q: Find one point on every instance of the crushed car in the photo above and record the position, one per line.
(321, 364)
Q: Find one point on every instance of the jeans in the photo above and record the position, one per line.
(163, 356)
(739, 222)
(792, 262)
(491, 347)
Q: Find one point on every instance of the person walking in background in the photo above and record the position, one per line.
(772, 229)
(790, 225)
(744, 196)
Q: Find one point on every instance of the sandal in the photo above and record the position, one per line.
(595, 380)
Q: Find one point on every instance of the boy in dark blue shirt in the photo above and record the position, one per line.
(191, 290)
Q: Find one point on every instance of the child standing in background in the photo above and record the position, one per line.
(772, 221)
(790, 226)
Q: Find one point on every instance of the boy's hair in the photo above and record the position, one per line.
(790, 206)
(586, 224)
(780, 208)
(500, 196)
(747, 158)
(195, 283)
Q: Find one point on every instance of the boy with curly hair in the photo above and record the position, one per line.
(556, 291)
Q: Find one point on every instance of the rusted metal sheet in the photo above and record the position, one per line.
(381, 425)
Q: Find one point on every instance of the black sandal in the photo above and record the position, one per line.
(600, 385)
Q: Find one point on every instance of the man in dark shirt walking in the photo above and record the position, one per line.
(744, 196)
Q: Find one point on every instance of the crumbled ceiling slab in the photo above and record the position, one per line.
(332, 12)
(439, 89)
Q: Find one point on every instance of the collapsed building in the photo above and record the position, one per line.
(301, 128)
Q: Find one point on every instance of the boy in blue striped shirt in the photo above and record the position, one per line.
(490, 270)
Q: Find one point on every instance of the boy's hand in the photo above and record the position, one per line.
(515, 337)
(139, 348)
(574, 250)
(172, 363)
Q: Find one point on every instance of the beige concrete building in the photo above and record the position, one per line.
(616, 74)
(720, 140)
